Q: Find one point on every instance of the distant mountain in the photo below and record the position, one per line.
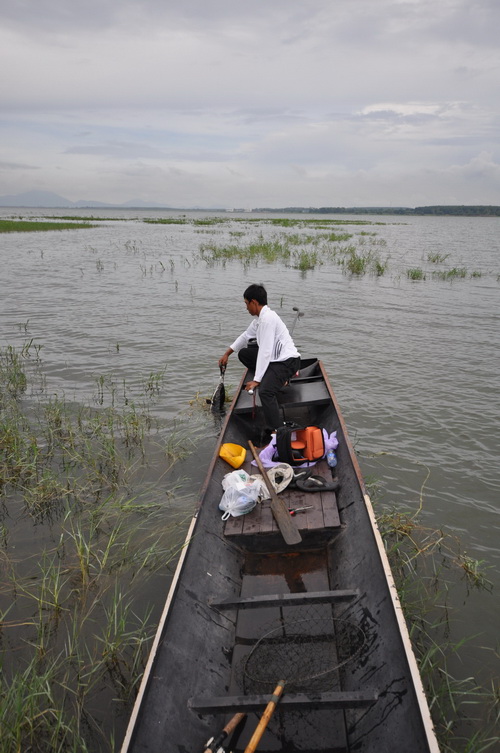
(47, 199)
(35, 199)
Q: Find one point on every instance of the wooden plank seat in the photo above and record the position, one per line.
(331, 700)
(309, 391)
(321, 515)
(286, 599)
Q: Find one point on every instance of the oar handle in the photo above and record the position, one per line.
(266, 716)
(216, 742)
(285, 522)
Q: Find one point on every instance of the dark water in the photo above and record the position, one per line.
(414, 364)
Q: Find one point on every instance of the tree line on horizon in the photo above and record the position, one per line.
(438, 209)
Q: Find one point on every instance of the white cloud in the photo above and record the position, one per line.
(276, 99)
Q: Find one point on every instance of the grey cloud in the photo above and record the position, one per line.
(54, 15)
(17, 166)
(299, 98)
(118, 150)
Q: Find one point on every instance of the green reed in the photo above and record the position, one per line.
(35, 226)
(428, 565)
(358, 262)
(12, 373)
(305, 260)
(326, 247)
(451, 274)
(415, 273)
(437, 258)
(76, 628)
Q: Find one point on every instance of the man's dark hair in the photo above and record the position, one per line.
(256, 293)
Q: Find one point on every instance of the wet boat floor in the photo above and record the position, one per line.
(286, 573)
(298, 730)
(321, 513)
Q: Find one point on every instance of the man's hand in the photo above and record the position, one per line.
(251, 385)
(223, 361)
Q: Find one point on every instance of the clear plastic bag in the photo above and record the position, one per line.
(235, 480)
(237, 502)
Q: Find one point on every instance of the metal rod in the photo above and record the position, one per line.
(297, 316)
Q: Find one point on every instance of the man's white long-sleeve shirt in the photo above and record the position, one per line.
(273, 339)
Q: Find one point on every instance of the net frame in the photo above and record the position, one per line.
(305, 652)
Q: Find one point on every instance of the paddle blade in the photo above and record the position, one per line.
(279, 509)
(218, 398)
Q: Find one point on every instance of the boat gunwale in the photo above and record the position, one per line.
(382, 554)
(395, 600)
(176, 578)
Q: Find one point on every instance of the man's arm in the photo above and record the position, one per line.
(266, 347)
(224, 359)
(239, 343)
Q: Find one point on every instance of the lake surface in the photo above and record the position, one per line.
(414, 363)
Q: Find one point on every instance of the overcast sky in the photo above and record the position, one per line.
(246, 104)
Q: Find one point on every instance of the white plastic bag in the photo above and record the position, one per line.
(279, 475)
(237, 502)
(235, 480)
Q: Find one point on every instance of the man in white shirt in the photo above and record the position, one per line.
(274, 361)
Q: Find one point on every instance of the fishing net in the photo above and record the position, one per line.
(305, 651)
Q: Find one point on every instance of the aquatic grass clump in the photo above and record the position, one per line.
(336, 237)
(286, 222)
(437, 258)
(296, 239)
(415, 273)
(326, 247)
(263, 250)
(427, 564)
(306, 260)
(72, 631)
(91, 218)
(357, 264)
(166, 221)
(76, 626)
(451, 274)
(269, 251)
(380, 267)
(209, 221)
(35, 226)
(12, 373)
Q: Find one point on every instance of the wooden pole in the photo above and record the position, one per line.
(266, 716)
(285, 522)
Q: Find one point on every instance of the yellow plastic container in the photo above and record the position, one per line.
(234, 454)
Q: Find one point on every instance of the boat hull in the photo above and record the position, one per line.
(233, 582)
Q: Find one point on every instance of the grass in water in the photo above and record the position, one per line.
(76, 624)
(451, 274)
(415, 273)
(437, 258)
(32, 226)
(326, 247)
(358, 262)
(427, 564)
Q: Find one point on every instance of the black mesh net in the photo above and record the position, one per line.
(305, 651)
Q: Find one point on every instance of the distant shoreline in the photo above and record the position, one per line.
(437, 210)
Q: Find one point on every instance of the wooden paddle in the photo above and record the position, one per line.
(285, 522)
(215, 743)
(266, 716)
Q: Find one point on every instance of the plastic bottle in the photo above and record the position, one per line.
(331, 458)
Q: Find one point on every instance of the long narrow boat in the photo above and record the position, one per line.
(239, 589)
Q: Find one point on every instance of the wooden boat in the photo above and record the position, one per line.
(235, 579)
